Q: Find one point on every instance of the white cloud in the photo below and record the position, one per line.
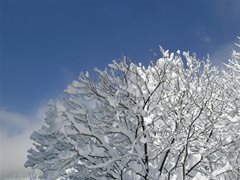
(202, 34)
(15, 131)
(207, 39)
(222, 54)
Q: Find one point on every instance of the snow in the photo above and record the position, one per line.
(226, 168)
(148, 120)
(106, 139)
(167, 108)
(112, 101)
(142, 112)
(199, 176)
(161, 62)
(115, 124)
(143, 140)
(232, 119)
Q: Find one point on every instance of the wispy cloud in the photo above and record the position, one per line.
(202, 34)
(207, 39)
(15, 131)
(222, 54)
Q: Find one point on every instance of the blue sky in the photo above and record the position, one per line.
(46, 43)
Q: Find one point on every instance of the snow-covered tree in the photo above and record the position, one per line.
(164, 121)
(231, 80)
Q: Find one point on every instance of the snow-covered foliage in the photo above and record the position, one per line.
(177, 118)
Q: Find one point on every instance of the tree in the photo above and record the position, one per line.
(231, 80)
(161, 122)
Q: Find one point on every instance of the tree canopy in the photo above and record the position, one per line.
(178, 118)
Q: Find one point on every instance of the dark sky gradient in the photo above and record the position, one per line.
(46, 43)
